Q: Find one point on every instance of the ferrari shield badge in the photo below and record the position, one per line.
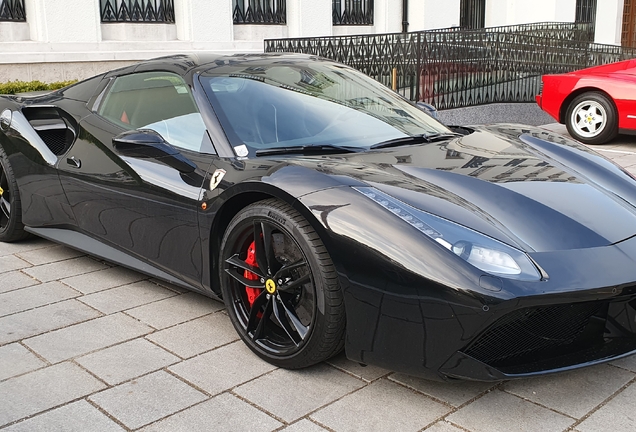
(217, 176)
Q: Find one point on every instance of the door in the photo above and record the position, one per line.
(143, 201)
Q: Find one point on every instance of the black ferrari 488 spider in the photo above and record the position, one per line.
(328, 212)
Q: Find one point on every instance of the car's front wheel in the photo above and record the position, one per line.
(11, 227)
(592, 119)
(280, 286)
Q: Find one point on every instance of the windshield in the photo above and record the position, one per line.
(306, 102)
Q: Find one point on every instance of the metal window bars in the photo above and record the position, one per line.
(141, 11)
(12, 10)
(472, 14)
(260, 12)
(352, 12)
(453, 68)
(586, 12)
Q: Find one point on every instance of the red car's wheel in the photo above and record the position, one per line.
(280, 286)
(11, 228)
(591, 118)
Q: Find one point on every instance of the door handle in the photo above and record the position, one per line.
(74, 162)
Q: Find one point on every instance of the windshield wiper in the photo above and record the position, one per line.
(321, 148)
(417, 139)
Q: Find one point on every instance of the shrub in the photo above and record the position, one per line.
(13, 87)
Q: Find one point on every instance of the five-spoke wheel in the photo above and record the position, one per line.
(591, 118)
(11, 228)
(281, 289)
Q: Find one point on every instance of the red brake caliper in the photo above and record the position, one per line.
(252, 293)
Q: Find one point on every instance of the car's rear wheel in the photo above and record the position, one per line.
(280, 286)
(591, 118)
(11, 227)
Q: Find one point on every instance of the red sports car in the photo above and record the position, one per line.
(595, 103)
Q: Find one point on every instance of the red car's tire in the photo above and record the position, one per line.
(592, 118)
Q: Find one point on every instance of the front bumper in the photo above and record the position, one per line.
(583, 315)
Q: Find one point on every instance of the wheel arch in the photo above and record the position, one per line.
(238, 199)
(568, 100)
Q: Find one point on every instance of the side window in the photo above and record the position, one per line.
(160, 101)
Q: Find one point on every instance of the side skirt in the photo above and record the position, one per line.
(86, 244)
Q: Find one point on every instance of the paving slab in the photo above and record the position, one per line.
(304, 425)
(78, 416)
(444, 426)
(196, 336)
(64, 269)
(224, 413)
(35, 296)
(126, 297)
(83, 338)
(499, 411)
(11, 262)
(367, 373)
(147, 399)
(31, 243)
(44, 389)
(16, 360)
(453, 393)
(618, 415)
(383, 405)
(290, 395)
(15, 280)
(104, 279)
(49, 255)
(591, 387)
(40, 320)
(628, 363)
(175, 310)
(128, 360)
(223, 368)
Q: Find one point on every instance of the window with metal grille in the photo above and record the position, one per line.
(352, 12)
(586, 11)
(12, 10)
(628, 38)
(472, 14)
(158, 11)
(259, 11)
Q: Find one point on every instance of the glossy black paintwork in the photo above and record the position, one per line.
(411, 305)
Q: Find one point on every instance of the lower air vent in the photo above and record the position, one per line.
(532, 333)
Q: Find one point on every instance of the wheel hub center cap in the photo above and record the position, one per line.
(270, 286)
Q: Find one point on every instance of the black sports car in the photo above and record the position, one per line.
(327, 211)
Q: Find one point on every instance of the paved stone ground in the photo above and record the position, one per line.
(86, 346)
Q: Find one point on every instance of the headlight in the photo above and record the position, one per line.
(483, 252)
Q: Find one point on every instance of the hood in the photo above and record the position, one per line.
(524, 186)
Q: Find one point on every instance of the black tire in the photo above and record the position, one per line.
(602, 124)
(11, 227)
(301, 320)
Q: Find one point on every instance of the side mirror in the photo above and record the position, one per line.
(148, 144)
(428, 109)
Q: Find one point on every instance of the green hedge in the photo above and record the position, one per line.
(13, 87)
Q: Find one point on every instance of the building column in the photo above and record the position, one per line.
(433, 14)
(309, 18)
(49, 20)
(609, 21)
(210, 21)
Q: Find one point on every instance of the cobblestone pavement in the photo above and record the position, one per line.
(87, 346)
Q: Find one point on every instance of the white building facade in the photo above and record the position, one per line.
(54, 40)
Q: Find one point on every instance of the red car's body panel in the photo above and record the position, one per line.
(618, 80)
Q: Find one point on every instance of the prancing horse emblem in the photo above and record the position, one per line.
(216, 178)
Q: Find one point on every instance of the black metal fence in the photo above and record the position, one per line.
(452, 68)
(158, 11)
(352, 12)
(259, 11)
(12, 10)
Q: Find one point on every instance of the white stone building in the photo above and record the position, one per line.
(53, 40)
